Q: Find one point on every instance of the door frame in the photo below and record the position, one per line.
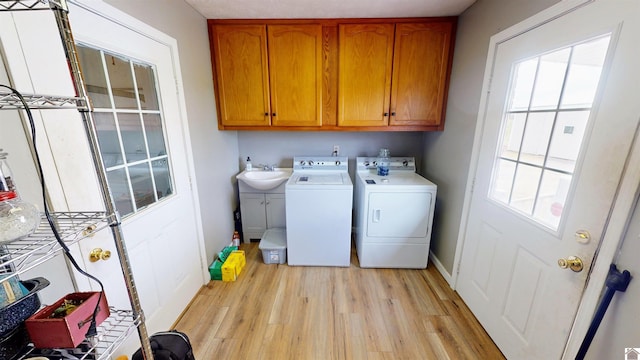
(620, 211)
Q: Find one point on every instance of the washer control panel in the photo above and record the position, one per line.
(396, 163)
(312, 163)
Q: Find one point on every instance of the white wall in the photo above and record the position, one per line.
(447, 154)
(215, 152)
(279, 147)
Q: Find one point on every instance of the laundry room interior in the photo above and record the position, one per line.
(271, 183)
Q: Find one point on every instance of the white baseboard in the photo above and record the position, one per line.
(447, 277)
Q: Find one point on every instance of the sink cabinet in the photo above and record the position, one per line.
(260, 212)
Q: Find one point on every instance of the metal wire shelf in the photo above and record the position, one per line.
(10, 101)
(28, 252)
(17, 5)
(111, 333)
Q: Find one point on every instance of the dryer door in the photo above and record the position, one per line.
(398, 215)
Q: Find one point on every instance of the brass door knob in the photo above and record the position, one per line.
(572, 262)
(99, 254)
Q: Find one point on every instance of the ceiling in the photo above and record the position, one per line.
(284, 9)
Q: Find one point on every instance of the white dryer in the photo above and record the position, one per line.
(319, 203)
(393, 215)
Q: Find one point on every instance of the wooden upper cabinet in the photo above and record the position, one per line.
(295, 74)
(242, 75)
(364, 80)
(420, 73)
(332, 74)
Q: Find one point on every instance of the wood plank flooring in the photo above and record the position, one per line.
(286, 312)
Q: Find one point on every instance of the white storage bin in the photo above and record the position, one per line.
(274, 246)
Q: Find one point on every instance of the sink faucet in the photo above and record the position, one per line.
(267, 167)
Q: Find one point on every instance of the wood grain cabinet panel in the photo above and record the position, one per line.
(242, 74)
(295, 74)
(420, 73)
(393, 76)
(364, 80)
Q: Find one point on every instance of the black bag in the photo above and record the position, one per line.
(168, 345)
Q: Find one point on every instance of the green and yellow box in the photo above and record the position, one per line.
(215, 270)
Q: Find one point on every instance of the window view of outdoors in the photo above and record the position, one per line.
(548, 108)
(130, 128)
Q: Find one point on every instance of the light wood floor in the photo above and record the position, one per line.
(285, 312)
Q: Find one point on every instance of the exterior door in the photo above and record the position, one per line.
(561, 114)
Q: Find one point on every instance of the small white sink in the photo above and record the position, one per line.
(264, 179)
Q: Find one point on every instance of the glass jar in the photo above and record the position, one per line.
(383, 162)
(17, 218)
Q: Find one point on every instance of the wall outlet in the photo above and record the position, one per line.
(336, 150)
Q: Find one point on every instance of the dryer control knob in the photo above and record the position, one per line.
(302, 162)
(366, 163)
(338, 162)
(310, 162)
(405, 163)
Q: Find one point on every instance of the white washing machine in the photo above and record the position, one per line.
(394, 215)
(319, 202)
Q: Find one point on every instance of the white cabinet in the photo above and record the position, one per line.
(260, 212)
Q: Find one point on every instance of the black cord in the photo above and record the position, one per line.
(92, 331)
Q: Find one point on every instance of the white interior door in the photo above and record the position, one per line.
(163, 238)
(559, 122)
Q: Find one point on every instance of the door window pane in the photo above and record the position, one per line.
(108, 139)
(536, 137)
(582, 82)
(130, 128)
(132, 137)
(550, 79)
(567, 139)
(155, 137)
(549, 106)
(524, 75)
(513, 131)
(94, 77)
(146, 87)
(552, 197)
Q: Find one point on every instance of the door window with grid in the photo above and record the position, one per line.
(545, 120)
(130, 128)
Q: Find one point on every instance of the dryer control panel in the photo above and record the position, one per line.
(396, 163)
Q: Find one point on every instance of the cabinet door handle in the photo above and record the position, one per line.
(386, 114)
(266, 114)
(273, 114)
(268, 202)
(261, 202)
(393, 113)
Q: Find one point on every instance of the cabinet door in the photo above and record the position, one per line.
(242, 78)
(364, 79)
(276, 214)
(252, 212)
(420, 73)
(295, 74)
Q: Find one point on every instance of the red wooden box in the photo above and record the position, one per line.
(69, 331)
